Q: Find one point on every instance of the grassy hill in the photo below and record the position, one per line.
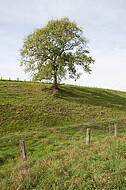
(54, 130)
(26, 106)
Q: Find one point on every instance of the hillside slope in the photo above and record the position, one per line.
(28, 106)
(54, 130)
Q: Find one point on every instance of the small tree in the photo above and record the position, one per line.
(56, 50)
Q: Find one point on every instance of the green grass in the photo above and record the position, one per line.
(54, 130)
(27, 106)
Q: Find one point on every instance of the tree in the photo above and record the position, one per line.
(55, 51)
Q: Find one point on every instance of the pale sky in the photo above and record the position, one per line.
(103, 23)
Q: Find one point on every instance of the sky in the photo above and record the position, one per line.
(103, 23)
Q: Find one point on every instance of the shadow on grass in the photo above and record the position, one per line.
(5, 158)
(93, 96)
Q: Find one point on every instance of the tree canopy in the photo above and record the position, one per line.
(54, 51)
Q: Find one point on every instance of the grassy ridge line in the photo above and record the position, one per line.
(31, 106)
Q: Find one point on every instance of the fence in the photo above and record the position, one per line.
(9, 79)
(88, 134)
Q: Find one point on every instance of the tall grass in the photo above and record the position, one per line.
(54, 130)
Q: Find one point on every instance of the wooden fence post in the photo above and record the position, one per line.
(116, 130)
(22, 149)
(88, 136)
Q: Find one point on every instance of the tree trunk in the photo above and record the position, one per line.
(55, 84)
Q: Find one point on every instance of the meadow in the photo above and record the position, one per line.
(54, 130)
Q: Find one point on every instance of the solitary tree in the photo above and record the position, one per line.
(55, 51)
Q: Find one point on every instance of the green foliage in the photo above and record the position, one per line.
(56, 50)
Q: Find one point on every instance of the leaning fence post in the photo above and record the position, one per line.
(22, 149)
(88, 136)
(116, 130)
